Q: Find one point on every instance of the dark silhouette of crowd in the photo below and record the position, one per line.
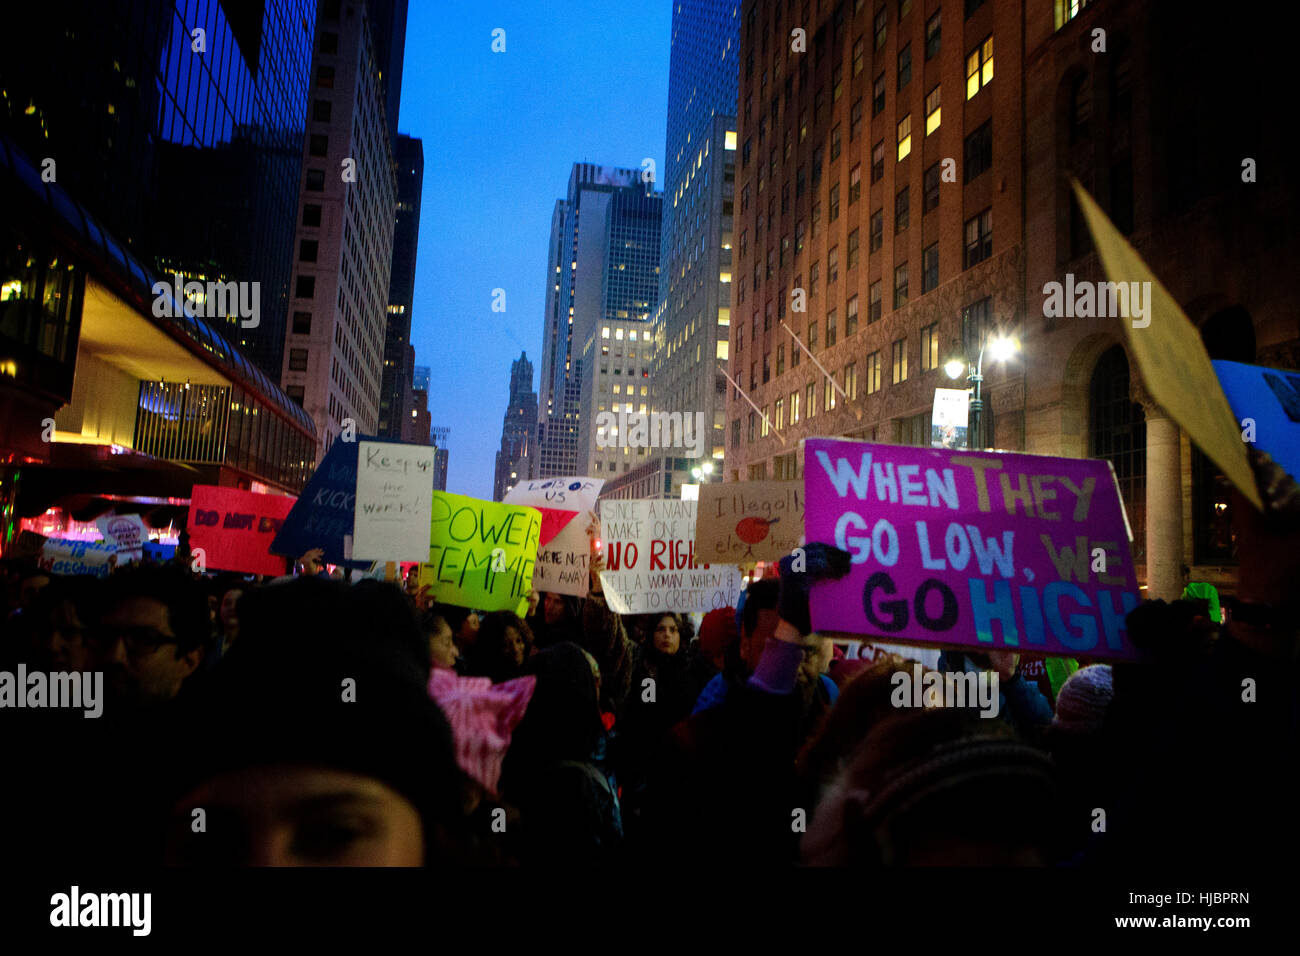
(312, 721)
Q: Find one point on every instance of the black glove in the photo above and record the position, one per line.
(820, 562)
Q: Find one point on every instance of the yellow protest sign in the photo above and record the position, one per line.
(1170, 355)
(481, 553)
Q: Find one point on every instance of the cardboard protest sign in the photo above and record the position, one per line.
(564, 548)
(1174, 364)
(1266, 403)
(481, 553)
(65, 556)
(651, 564)
(127, 532)
(971, 549)
(738, 522)
(323, 515)
(394, 497)
(235, 528)
(563, 560)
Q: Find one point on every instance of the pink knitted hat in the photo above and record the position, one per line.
(482, 716)
(1081, 705)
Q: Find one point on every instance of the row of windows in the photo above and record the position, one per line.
(978, 247)
(979, 73)
(775, 416)
(978, 155)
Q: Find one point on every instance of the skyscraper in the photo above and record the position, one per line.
(395, 396)
(691, 329)
(603, 269)
(518, 430)
(339, 299)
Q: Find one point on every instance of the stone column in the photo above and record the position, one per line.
(1164, 544)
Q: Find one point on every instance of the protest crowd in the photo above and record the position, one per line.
(320, 718)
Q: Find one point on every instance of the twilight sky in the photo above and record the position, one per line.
(580, 81)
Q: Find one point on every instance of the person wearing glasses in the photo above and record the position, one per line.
(151, 637)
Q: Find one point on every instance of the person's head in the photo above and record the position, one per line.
(502, 644)
(463, 622)
(864, 701)
(64, 617)
(30, 585)
(554, 608)
(322, 745)
(152, 633)
(442, 648)
(1082, 704)
(937, 787)
(758, 622)
(718, 636)
(667, 636)
(563, 719)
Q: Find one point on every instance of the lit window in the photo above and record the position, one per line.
(604, 333)
(979, 68)
(904, 137)
(932, 111)
(724, 277)
(729, 142)
(722, 348)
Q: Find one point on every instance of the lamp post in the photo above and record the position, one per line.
(1000, 349)
(701, 472)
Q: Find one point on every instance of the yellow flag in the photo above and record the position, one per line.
(1171, 357)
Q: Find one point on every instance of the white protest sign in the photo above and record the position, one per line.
(562, 560)
(576, 493)
(127, 532)
(650, 560)
(65, 556)
(394, 501)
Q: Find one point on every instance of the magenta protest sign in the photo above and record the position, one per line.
(987, 550)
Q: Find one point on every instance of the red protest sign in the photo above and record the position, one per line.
(234, 528)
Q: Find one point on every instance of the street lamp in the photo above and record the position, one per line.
(1000, 349)
(701, 472)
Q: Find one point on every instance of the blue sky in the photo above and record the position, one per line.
(579, 81)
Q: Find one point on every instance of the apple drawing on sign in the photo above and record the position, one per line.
(752, 530)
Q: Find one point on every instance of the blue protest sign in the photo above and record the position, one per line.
(1266, 404)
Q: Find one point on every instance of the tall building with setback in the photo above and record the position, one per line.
(518, 430)
(333, 361)
(695, 286)
(603, 268)
(395, 394)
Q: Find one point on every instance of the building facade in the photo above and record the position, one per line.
(180, 129)
(395, 395)
(333, 361)
(603, 267)
(911, 174)
(518, 430)
(693, 323)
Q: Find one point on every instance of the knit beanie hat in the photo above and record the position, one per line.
(718, 632)
(324, 674)
(1084, 698)
(482, 716)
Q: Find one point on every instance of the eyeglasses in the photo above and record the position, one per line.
(139, 641)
